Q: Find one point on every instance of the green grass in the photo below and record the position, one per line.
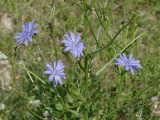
(103, 88)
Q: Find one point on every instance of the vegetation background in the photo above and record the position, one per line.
(69, 17)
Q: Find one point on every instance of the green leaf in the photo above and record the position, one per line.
(75, 92)
(74, 112)
(69, 98)
(48, 108)
(59, 107)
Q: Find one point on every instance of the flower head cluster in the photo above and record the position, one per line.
(155, 99)
(73, 44)
(34, 103)
(130, 63)
(47, 115)
(56, 72)
(27, 33)
(2, 106)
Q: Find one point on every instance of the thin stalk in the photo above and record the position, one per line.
(86, 66)
(86, 17)
(35, 57)
(85, 26)
(14, 78)
(104, 26)
(86, 88)
(30, 72)
(54, 41)
(65, 117)
(40, 50)
(118, 97)
(109, 22)
(114, 37)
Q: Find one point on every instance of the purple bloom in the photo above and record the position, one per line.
(56, 72)
(27, 33)
(130, 63)
(74, 45)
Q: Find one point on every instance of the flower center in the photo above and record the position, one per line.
(127, 63)
(74, 44)
(55, 72)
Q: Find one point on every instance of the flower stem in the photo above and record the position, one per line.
(86, 66)
(86, 88)
(85, 25)
(40, 50)
(35, 57)
(54, 41)
(118, 97)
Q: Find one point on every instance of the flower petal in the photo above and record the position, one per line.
(59, 79)
(24, 27)
(127, 67)
(49, 67)
(66, 42)
(78, 38)
(130, 57)
(72, 36)
(67, 37)
(26, 42)
(54, 65)
(34, 31)
(34, 26)
(119, 60)
(18, 37)
(125, 57)
(68, 48)
(74, 52)
(55, 83)
(30, 25)
(132, 71)
(48, 72)
(30, 38)
(20, 41)
(51, 77)
(60, 65)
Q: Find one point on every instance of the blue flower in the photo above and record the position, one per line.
(130, 63)
(74, 45)
(27, 33)
(56, 72)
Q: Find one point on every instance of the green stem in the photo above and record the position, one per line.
(85, 25)
(109, 22)
(40, 50)
(86, 66)
(14, 78)
(114, 37)
(101, 22)
(54, 41)
(30, 72)
(86, 88)
(35, 57)
(64, 108)
(65, 117)
(118, 97)
(86, 17)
